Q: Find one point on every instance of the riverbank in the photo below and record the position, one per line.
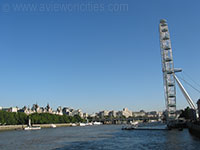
(12, 127)
(20, 127)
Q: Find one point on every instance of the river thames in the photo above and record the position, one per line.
(103, 137)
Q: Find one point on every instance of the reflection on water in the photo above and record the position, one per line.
(105, 137)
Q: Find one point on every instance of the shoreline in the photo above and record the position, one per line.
(21, 127)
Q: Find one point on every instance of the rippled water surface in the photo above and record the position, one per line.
(104, 137)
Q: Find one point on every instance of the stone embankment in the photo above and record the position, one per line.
(50, 125)
(12, 127)
(20, 127)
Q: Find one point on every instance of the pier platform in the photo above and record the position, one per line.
(143, 128)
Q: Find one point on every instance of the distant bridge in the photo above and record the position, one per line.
(123, 120)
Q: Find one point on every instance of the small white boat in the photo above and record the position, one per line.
(82, 124)
(53, 125)
(30, 127)
(74, 125)
(89, 124)
(33, 128)
(97, 123)
(135, 123)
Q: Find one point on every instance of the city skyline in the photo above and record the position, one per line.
(69, 111)
(59, 106)
(95, 60)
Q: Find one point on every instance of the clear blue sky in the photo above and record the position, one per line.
(94, 60)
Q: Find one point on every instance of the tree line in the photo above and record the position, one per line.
(20, 118)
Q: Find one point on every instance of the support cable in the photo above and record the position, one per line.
(189, 84)
(191, 79)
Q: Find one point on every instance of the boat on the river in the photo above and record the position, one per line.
(82, 124)
(129, 127)
(30, 127)
(148, 126)
(143, 128)
(53, 125)
(73, 125)
(97, 123)
(89, 124)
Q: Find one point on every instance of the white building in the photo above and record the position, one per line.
(139, 114)
(93, 115)
(112, 113)
(103, 113)
(77, 112)
(48, 109)
(160, 113)
(152, 114)
(72, 112)
(11, 109)
(85, 115)
(59, 111)
(127, 113)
